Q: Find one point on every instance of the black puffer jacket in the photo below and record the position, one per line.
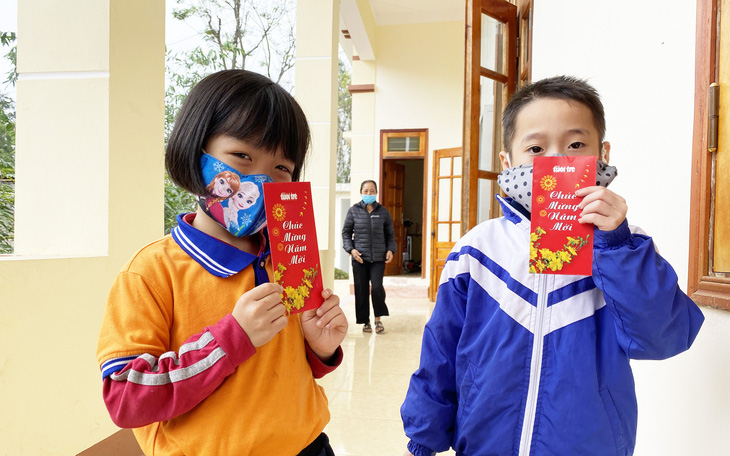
(371, 234)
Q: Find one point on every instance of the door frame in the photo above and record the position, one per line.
(703, 287)
(422, 154)
(434, 262)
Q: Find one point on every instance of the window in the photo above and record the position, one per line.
(491, 78)
(525, 42)
(403, 143)
(498, 60)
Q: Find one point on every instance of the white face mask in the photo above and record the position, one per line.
(517, 182)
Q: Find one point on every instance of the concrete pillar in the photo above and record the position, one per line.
(316, 90)
(89, 124)
(365, 142)
(89, 192)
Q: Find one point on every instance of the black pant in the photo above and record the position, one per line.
(320, 447)
(363, 275)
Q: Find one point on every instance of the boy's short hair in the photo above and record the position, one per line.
(241, 104)
(567, 88)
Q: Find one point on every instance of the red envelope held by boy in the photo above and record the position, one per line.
(558, 243)
(294, 250)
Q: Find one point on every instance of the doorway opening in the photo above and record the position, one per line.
(403, 192)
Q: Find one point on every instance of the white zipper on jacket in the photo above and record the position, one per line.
(528, 423)
(370, 219)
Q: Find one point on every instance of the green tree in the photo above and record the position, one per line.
(7, 151)
(7, 174)
(344, 122)
(257, 35)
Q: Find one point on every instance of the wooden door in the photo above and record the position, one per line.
(490, 79)
(445, 211)
(709, 250)
(392, 188)
(721, 247)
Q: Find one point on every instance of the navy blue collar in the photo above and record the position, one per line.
(217, 257)
(513, 211)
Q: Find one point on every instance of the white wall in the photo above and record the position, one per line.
(420, 80)
(420, 84)
(640, 57)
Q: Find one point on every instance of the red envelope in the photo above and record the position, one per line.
(558, 243)
(294, 250)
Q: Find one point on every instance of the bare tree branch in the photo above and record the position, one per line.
(240, 31)
(237, 33)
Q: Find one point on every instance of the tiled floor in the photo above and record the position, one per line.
(367, 390)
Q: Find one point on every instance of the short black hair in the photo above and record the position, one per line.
(365, 182)
(241, 104)
(567, 88)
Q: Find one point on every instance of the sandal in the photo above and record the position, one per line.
(367, 328)
(379, 327)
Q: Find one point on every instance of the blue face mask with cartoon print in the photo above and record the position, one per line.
(234, 200)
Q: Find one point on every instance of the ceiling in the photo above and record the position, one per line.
(393, 12)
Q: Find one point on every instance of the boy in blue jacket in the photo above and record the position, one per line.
(514, 363)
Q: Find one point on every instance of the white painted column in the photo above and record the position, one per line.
(316, 91)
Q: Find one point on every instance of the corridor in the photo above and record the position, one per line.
(367, 390)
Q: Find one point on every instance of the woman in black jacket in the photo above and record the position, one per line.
(368, 236)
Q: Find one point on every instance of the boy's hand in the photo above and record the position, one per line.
(261, 313)
(602, 207)
(325, 327)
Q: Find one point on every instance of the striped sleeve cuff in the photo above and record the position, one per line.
(115, 365)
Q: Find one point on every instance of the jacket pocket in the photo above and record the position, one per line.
(467, 391)
(613, 418)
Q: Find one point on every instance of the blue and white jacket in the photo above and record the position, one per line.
(514, 363)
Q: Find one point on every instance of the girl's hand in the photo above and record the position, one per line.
(388, 256)
(261, 313)
(356, 255)
(325, 327)
(602, 207)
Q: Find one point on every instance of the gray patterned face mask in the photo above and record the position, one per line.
(517, 181)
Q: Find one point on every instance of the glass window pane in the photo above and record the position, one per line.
(456, 205)
(457, 166)
(443, 232)
(455, 232)
(413, 143)
(486, 199)
(490, 124)
(444, 200)
(493, 44)
(445, 166)
(404, 144)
